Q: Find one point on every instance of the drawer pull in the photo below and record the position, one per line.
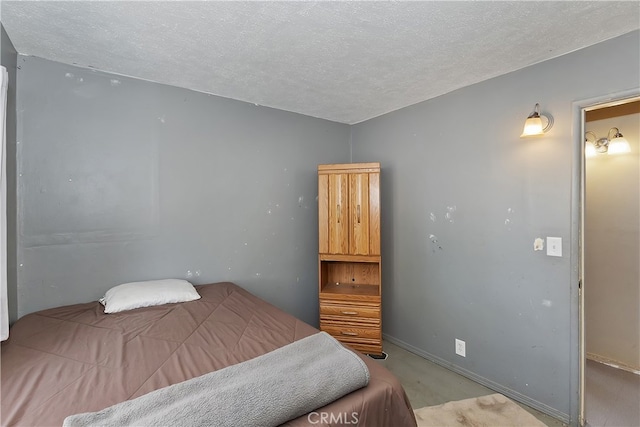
(351, 334)
(350, 313)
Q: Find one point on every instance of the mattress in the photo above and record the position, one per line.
(75, 359)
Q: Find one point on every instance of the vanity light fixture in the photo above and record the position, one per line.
(533, 125)
(613, 143)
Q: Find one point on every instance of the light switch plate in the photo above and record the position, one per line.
(554, 246)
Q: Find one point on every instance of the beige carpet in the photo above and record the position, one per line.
(494, 410)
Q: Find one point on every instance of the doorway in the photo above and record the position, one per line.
(609, 274)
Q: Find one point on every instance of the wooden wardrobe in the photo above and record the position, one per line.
(349, 254)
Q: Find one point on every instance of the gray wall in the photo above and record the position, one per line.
(9, 61)
(463, 198)
(122, 179)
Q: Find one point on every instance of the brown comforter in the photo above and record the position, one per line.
(75, 359)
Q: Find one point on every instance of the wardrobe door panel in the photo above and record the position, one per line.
(359, 213)
(323, 214)
(338, 214)
(374, 214)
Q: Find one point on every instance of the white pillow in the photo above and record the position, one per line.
(145, 294)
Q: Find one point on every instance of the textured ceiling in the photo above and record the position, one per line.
(342, 61)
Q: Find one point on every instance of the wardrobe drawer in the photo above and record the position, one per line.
(365, 347)
(349, 311)
(352, 333)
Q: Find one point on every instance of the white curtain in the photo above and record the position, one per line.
(4, 307)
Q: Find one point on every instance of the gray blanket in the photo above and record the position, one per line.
(266, 391)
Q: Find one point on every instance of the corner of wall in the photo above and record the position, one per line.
(351, 144)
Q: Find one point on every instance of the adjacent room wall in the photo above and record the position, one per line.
(612, 242)
(464, 198)
(9, 61)
(122, 180)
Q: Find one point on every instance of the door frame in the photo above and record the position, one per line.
(578, 350)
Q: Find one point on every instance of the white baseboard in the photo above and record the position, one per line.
(613, 363)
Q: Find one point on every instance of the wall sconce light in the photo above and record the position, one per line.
(613, 143)
(533, 124)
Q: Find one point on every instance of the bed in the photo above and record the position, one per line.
(76, 359)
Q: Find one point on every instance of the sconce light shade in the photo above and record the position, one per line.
(590, 149)
(619, 144)
(533, 126)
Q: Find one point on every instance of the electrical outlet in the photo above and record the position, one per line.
(461, 348)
